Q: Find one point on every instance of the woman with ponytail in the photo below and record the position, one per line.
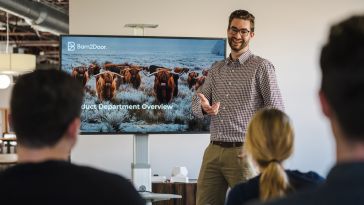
(269, 141)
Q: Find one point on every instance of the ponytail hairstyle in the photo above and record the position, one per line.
(269, 141)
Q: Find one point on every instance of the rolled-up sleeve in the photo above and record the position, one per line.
(269, 86)
(206, 90)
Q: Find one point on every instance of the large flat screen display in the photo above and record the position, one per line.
(139, 84)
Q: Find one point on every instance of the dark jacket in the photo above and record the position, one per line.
(249, 190)
(344, 185)
(60, 182)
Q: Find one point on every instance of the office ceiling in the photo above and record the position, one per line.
(25, 38)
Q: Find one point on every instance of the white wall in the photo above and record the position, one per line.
(288, 32)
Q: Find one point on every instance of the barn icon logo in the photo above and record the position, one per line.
(71, 46)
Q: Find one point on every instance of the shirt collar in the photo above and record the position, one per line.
(242, 58)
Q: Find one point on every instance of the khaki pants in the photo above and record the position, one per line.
(221, 168)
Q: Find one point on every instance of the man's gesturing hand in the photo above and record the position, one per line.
(205, 104)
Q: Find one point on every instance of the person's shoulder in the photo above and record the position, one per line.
(309, 176)
(217, 65)
(251, 182)
(249, 185)
(12, 172)
(244, 191)
(94, 183)
(109, 184)
(95, 174)
(260, 62)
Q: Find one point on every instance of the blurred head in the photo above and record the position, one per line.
(240, 29)
(43, 105)
(342, 86)
(269, 141)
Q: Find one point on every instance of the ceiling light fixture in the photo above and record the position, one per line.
(4, 81)
(139, 28)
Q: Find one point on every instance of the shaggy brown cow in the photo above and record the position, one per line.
(191, 80)
(177, 73)
(106, 85)
(81, 74)
(135, 78)
(175, 78)
(125, 72)
(164, 86)
(153, 68)
(93, 69)
(115, 68)
(119, 69)
(181, 70)
(200, 81)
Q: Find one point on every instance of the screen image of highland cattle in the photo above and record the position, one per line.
(140, 84)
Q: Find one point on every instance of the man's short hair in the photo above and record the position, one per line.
(245, 15)
(43, 104)
(342, 65)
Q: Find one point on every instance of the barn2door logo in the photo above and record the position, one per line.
(72, 46)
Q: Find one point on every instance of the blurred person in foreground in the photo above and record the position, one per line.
(45, 113)
(269, 141)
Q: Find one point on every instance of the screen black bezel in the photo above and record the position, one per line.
(127, 36)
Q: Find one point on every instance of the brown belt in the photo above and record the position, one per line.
(227, 144)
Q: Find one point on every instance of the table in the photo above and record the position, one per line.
(151, 197)
(7, 160)
(186, 190)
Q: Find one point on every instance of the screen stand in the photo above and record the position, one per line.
(141, 171)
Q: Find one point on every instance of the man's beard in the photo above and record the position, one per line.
(243, 44)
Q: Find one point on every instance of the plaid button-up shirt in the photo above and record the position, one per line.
(242, 87)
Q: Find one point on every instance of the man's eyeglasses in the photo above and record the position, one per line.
(242, 32)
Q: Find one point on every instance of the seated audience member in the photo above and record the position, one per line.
(45, 111)
(269, 141)
(342, 102)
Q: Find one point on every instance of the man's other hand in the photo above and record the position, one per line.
(205, 104)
